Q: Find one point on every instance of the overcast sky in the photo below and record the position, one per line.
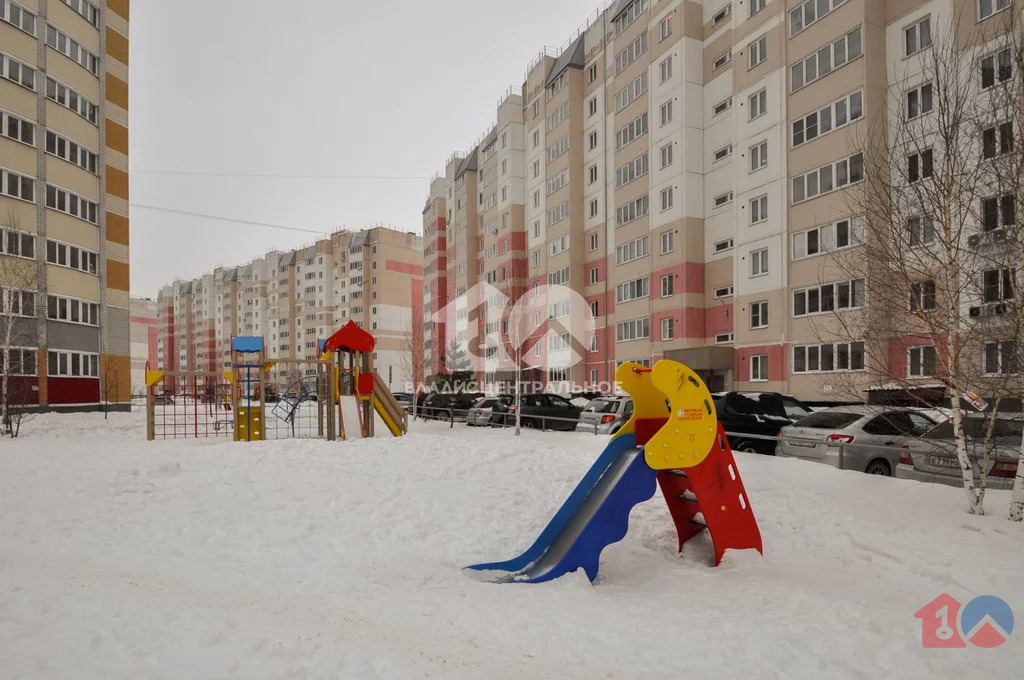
(319, 88)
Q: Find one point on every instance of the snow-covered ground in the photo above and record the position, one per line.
(179, 559)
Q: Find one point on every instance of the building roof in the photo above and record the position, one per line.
(571, 56)
(468, 163)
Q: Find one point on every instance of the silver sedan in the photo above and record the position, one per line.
(866, 438)
(479, 415)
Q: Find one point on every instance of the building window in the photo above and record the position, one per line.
(17, 72)
(759, 209)
(632, 211)
(921, 362)
(635, 129)
(825, 60)
(593, 241)
(828, 238)
(593, 173)
(828, 358)
(987, 8)
(834, 116)
(721, 60)
(633, 290)
(72, 152)
(998, 211)
(665, 27)
(1000, 358)
(74, 257)
(722, 246)
(666, 69)
(68, 98)
(593, 207)
(759, 156)
(17, 243)
(757, 52)
(667, 239)
(558, 148)
(86, 10)
(828, 178)
(1004, 133)
(920, 231)
(919, 165)
(593, 141)
(759, 262)
(723, 199)
(758, 103)
(65, 201)
(667, 285)
(72, 310)
(637, 167)
(592, 73)
(808, 13)
(759, 315)
(632, 251)
(996, 66)
(22, 303)
(668, 328)
(18, 16)
(723, 292)
(595, 275)
(721, 107)
(631, 92)
(635, 329)
(23, 361)
(759, 368)
(593, 312)
(73, 364)
(756, 6)
(18, 129)
(666, 112)
(631, 53)
(922, 296)
(918, 36)
(667, 198)
(70, 48)
(829, 297)
(17, 186)
(721, 15)
(997, 285)
(723, 153)
(592, 106)
(919, 101)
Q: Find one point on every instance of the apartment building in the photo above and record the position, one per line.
(688, 172)
(64, 199)
(294, 299)
(143, 341)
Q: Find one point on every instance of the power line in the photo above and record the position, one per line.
(229, 219)
(273, 176)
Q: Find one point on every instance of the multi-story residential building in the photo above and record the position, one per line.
(64, 198)
(143, 340)
(687, 170)
(294, 299)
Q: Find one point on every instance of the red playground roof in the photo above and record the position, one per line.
(350, 337)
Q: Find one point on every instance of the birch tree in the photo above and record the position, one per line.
(17, 310)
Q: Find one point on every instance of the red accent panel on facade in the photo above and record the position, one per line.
(718, 319)
(21, 390)
(776, 361)
(68, 391)
(153, 338)
(517, 240)
(404, 267)
(688, 277)
(601, 271)
(898, 348)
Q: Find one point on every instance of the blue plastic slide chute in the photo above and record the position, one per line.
(595, 515)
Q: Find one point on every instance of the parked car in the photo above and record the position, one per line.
(163, 399)
(446, 406)
(605, 415)
(933, 457)
(405, 400)
(871, 437)
(480, 413)
(756, 413)
(542, 411)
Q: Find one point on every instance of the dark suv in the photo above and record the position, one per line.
(756, 413)
(446, 406)
(542, 411)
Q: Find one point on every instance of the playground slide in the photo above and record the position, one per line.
(351, 424)
(595, 515)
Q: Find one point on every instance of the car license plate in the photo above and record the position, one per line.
(806, 445)
(944, 462)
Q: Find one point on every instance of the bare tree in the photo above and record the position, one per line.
(412, 359)
(17, 316)
(517, 329)
(927, 283)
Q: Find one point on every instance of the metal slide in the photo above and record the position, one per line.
(595, 515)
